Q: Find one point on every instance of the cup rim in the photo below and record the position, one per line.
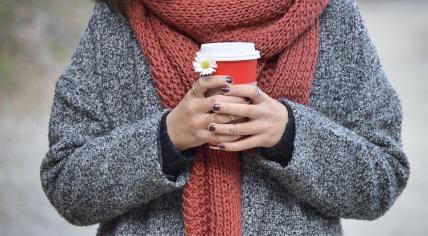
(229, 51)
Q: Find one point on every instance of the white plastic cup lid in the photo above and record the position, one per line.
(230, 51)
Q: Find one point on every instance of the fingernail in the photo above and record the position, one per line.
(211, 128)
(229, 79)
(216, 107)
(225, 89)
(247, 99)
(221, 146)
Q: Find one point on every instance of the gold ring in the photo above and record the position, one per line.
(234, 130)
(194, 88)
(208, 119)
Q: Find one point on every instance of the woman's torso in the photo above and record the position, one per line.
(129, 94)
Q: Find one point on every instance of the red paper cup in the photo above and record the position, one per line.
(235, 59)
(242, 72)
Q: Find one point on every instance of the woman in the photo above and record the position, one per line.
(130, 122)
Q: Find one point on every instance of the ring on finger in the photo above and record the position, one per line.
(194, 89)
(208, 118)
(257, 98)
(234, 130)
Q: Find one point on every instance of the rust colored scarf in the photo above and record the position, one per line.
(170, 33)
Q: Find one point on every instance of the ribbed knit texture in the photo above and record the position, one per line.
(170, 33)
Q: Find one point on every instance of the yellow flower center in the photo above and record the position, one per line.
(205, 64)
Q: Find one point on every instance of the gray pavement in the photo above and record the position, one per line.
(399, 31)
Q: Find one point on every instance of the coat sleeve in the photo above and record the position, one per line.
(174, 162)
(348, 160)
(92, 172)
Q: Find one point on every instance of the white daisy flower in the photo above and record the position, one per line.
(203, 64)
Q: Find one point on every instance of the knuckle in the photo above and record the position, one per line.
(193, 124)
(238, 89)
(250, 111)
(216, 98)
(267, 142)
(259, 111)
(269, 113)
(214, 139)
(215, 118)
(266, 111)
(189, 110)
(270, 127)
(208, 119)
(200, 135)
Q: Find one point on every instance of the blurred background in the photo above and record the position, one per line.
(36, 40)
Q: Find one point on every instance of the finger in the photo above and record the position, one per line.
(210, 137)
(219, 118)
(246, 110)
(204, 104)
(244, 90)
(203, 120)
(240, 145)
(245, 128)
(204, 83)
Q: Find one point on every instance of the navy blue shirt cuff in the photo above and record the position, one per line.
(173, 161)
(282, 151)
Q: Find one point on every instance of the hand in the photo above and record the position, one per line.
(187, 123)
(267, 119)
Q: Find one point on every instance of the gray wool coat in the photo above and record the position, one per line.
(103, 165)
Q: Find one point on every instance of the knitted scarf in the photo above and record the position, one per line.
(170, 33)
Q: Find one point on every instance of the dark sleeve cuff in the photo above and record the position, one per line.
(282, 151)
(173, 161)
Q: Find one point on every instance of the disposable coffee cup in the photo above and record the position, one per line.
(235, 59)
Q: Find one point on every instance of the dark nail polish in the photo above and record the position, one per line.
(229, 79)
(221, 146)
(225, 89)
(211, 128)
(216, 107)
(247, 99)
